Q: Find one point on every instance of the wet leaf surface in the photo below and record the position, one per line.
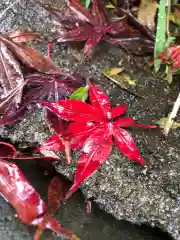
(95, 132)
(93, 25)
(37, 88)
(31, 57)
(22, 196)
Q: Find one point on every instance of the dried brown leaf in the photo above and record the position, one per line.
(146, 13)
(22, 36)
(31, 57)
(115, 71)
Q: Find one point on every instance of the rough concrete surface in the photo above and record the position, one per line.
(149, 195)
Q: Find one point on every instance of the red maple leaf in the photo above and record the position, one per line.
(173, 53)
(28, 204)
(93, 128)
(174, 56)
(93, 25)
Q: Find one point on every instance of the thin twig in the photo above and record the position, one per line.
(171, 116)
(10, 6)
(67, 150)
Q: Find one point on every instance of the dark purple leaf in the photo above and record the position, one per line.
(90, 26)
(37, 88)
(7, 150)
(81, 12)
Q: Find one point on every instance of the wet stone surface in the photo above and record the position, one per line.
(149, 195)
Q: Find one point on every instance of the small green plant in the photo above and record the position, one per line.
(86, 3)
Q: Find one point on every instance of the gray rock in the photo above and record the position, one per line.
(149, 195)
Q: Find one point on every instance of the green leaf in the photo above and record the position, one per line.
(73, 168)
(86, 3)
(80, 94)
(110, 6)
(160, 34)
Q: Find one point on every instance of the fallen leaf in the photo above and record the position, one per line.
(80, 94)
(59, 126)
(31, 57)
(92, 26)
(56, 193)
(172, 56)
(110, 6)
(22, 196)
(115, 71)
(37, 88)
(146, 32)
(162, 122)
(6, 101)
(119, 77)
(147, 12)
(93, 128)
(22, 36)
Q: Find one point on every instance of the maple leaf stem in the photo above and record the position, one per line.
(38, 233)
(69, 234)
(69, 194)
(67, 150)
(10, 6)
(49, 50)
(40, 229)
(56, 96)
(89, 206)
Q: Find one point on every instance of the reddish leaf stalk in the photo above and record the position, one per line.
(49, 50)
(67, 149)
(89, 206)
(55, 195)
